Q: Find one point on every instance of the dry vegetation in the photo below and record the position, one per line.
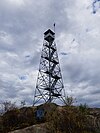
(57, 119)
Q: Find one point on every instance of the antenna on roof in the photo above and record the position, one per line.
(54, 26)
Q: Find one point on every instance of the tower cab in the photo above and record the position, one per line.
(49, 35)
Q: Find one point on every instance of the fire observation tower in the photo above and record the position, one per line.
(49, 86)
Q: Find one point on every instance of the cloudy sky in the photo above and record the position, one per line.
(22, 24)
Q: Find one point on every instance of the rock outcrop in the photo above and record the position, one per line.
(39, 128)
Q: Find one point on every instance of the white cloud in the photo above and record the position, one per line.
(16, 1)
(6, 39)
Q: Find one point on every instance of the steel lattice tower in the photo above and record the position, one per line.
(49, 87)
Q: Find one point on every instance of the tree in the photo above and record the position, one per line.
(69, 100)
(23, 103)
(8, 105)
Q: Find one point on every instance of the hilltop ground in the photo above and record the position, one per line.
(51, 118)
